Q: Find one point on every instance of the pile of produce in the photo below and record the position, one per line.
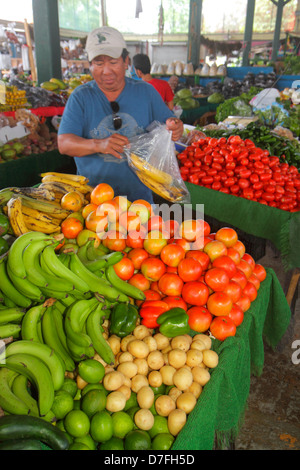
(238, 167)
(109, 322)
(184, 99)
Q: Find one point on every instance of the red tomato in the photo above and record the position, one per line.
(155, 222)
(249, 259)
(172, 227)
(195, 293)
(222, 327)
(234, 290)
(250, 291)
(114, 241)
(245, 267)
(172, 254)
(170, 284)
(182, 242)
(139, 281)
(240, 278)
(189, 269)
(240, 248)
(219, 304)
(137, 256)
(254, 279)
(226, 263)
(154, 242)
(175, 301)
(217, 279)
(244, 302)
(156, 303)
(135, 238)
(236, 314)
(234, 255)
(153, 268)
(214, 249)
(152, 295)
(124, 268)
(199, 319)
(200, 256)
(260, 272)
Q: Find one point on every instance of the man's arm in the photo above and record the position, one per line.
(75, 146)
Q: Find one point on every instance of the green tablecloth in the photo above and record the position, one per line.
(26, 170)
(189, 116)
(220, 408)
(282, 228)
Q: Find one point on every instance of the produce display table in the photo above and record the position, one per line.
(280, 227)
(26, 170)
(45, 111)
(189, 116)
(216, 419)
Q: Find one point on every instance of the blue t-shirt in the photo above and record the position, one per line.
(88, 114)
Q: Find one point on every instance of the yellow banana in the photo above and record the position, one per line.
(76, 178)
(39, 215)
(62, 179)
(64, 188)
(16, 217)
(171, 193)
(36, 193)
(150, 171)
(53, 208)
(40, 225)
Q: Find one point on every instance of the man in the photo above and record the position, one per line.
(142, 66)
(103, 114)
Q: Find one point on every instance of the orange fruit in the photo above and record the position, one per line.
(87, 209)
(71, 227)
(101, 193)
(71, 201)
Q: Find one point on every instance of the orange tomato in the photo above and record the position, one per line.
(191, 229)
(138, 280)
(110, 209)
(144, 203)
(96, 223)
(219, 304)
(114, 241)
(101, 193)
(87, 209)
(71, 201)
(172, 254)
(154, 242)
(124, 268)
(227, 235)
(71, 227)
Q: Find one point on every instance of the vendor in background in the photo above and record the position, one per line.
(103, 114)
(142, 66)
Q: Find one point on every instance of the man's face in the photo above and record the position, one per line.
(109, 73)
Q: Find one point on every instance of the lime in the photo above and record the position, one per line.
(101, 426)
(137, 440)
(96, 386)
(122, 424)
(86, 440)
(77, 423)
(115, 443)
(62, 404)
(60, 425)
(160, 426)
(161, 389)
(91, 371)
(4, 246)
(162, 441)
(132, 401)
(4, 224)
(78, 446)
(93, 401)
(70, 386)
(131, 412)
(77, 404)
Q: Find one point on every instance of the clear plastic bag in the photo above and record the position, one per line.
(152, 157)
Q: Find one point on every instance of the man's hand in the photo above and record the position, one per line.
(176, 127)
(114, 145)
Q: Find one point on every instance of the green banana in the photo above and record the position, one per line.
(31, 262)
(11, 314)
(59, 324)
(26, 287)
(10, 329)
(9, 289)
(9, 402)
(15, 253)
(95, 283)
(93, 252)
(79, 352)
(75, 318)
(92, 265)
(112, 258)
(31, 324)
(38, 374)
(59, 269)
(51, 338)
(123, 286)
(53, 294)
(8, 302)
(95, 331)
(20, 389)
(5, 195)
(44, 353)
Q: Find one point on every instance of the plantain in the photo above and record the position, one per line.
(16, 217)
(62, 179)
(40, 225)
(39, 215)
(76, 178)
(5, 195)
(50, 207)
(150, 171)
(64, 188)
(36, 193)
(171, 193)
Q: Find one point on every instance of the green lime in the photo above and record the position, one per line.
(101, 426)
(91, 371)
(122, 424)
(137, 440)
(87, 440)
(60, 425)
(4, 224)
(4, 247)
(96, 386)
(77, 423)
(161, 389)
(77, 404)
(160, 426)
(78, 446)
(70, 386)
(115, 443)
(93, 401)
(131, 412)
(62, 404)
(162, 441)
(132, 401)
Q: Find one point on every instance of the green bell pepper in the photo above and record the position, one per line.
(173, 322)
(123, 319)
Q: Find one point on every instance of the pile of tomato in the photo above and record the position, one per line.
(209, 275)
(237, 167)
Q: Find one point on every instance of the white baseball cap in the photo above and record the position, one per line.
(104, 41)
